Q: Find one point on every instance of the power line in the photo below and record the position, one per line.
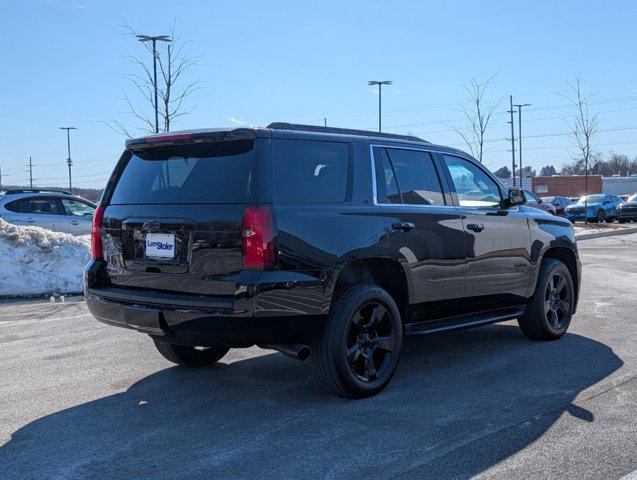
(550, 107)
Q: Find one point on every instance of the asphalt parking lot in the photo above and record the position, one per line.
(82, 400)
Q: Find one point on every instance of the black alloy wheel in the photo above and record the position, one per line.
(370, 342)
(357, 353)
(557, 302)
(550, 310)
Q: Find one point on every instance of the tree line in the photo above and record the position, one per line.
(616, 164)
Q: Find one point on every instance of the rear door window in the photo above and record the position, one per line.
(40, 206)
(386, 185)
(306, 171)
(218, 172)
(406, 176)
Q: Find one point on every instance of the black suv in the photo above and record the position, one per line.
(325, 243)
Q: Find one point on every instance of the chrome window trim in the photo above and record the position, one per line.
(374, 178)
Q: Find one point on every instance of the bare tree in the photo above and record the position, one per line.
(582, 129)
(172, 87)
(583, 126)
(478, 115)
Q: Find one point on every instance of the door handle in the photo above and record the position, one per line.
(74, 222)
(31, 220)
(404, 226)
(476, 227)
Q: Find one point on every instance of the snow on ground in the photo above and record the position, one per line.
(36, 261)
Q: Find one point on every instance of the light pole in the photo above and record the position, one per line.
(380, 84)
(68, 146)
(155, 39)
(519, 107)
(511, 111)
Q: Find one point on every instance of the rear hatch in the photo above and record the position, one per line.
(173, 215)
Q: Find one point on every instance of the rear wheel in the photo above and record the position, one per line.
(357, 354)
(190, 356)
(550, 309)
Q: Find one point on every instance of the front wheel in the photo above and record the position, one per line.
(548, 313)
(357, 354)
(189, 356)
(601, 216)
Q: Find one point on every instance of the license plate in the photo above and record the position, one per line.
(160, 245)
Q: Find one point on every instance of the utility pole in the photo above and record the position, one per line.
(512, 141)
(519, 107)
(161, 38)
(68, 146)
(30, 172)
(324, 122)
(380, 84)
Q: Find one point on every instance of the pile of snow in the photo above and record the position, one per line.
(36, 261)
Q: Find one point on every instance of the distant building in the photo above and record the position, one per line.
(620, 185)
(573, 185)
(509, 182)
(565, 186)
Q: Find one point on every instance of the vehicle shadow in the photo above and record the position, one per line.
(459, 403)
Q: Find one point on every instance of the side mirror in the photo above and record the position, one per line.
(539, 200)
(515, 197)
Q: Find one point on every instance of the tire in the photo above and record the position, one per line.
(601, 216)
(549, 312)
(357, 353)
(621, 220)
(189, 356)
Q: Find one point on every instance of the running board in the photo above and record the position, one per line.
(463, 321)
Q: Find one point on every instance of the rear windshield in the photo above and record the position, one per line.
(211, 173)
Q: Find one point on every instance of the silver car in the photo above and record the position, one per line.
(55, 210)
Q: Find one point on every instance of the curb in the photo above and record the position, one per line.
(589, 236)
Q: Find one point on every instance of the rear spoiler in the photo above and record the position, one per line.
(190, 137)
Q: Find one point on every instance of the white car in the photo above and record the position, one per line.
(53, 209)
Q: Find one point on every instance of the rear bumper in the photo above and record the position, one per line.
(268, 307)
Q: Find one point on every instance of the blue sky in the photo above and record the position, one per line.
(301, 61)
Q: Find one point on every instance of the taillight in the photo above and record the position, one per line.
(258, 239)
(97, 252)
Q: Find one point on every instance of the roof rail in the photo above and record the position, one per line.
(35, 190)
(341, 131)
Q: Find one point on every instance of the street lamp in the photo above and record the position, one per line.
(380, 84)
(519, 107)
(68, 146)
(155, 39)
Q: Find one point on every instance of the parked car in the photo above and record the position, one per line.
(559, 203)
(627, 211)
(56, 210)
(534, 201)
(599, 208)
(319, 242)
